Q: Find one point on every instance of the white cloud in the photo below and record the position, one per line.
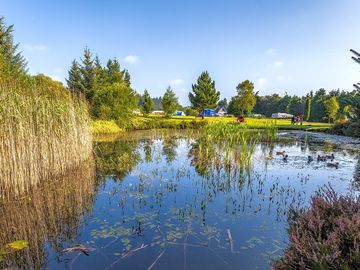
(270, 51)
(176, 82)
(131, 59)
(56, 78)
(278, 64)
(35, 48)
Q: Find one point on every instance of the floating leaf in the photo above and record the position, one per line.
(18, 245)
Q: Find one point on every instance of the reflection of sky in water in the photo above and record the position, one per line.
(184, 219)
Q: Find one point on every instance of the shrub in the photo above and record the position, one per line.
(325, 236)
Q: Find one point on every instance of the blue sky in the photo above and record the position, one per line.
(282, 46)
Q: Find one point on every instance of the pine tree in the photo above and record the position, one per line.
(88, 74)
(205, 94)
(100, 77)
(12, 63)
(147, 105)
(114, 73)
(169, 102)
(75, 81)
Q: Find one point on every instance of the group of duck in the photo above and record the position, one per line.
(319, 158)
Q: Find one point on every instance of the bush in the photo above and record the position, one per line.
(326, 236)
(104, 127)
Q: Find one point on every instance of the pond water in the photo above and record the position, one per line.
(162, 200)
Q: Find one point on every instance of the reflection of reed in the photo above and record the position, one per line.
(52, 212)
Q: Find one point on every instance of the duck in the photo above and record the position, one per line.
(331, 156)
(269, 158)
(321, 158)
(333, 165)
(280, 153)
(285, 158)
(310, 158)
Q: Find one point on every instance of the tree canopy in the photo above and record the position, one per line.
(204, 93)
(170, 102)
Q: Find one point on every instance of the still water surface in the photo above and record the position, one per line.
(162, 201)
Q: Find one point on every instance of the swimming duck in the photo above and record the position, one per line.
(310, 158)
(280, 153)
(333, 165)
(269, 158)
(285, 158)
(331, 156)
(321, 158)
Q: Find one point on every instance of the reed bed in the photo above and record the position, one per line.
(43, 134)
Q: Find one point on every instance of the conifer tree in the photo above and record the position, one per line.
(147, 105)
(88, 74)
(204, 93)
(75, 81)
(308, 107)
(169, 102)
(127, 77)
(12, 63)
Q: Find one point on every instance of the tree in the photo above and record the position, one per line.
(308, 107)
(246, 98)
(234, 106)
(12, 63)
(74, 81)
(204, 93)
(114, 101)
(331, 107)
(223, 103)
(317, 105)
(147, 104)
(296, 106)
(88, 75)
(169, 102)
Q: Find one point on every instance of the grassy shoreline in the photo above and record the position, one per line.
(99, 127)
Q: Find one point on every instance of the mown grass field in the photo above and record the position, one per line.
(182, 122)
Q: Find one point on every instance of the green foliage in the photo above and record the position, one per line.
(246, 100)
(308, 108)
(331, 107)
(204, 93)
(12, 63)
(223, 103)
(74, 80)
(190, 111)
(170, 102)
(105, 127)
(296, 106)
(157, 102)
(267, 105)
(317, 106)
(147, 105)
(114, 101)
(19, 245)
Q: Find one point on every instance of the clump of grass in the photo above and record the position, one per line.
(326, 236)
(42, 135)
(105, 127)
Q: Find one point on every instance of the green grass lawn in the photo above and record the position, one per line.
(181, 122)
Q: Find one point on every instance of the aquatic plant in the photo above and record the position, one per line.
(44, 132)
(325, 236)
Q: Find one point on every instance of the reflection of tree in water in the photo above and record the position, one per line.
(169, 149)
(116, 159)
(52, 212)
(147, 148)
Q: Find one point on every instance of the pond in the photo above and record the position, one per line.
(161, 200)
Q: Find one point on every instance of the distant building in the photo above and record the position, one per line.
(158, 112)
(179, 113)
(256, 115)
(221, 111)
(281, 115)
(208, 113)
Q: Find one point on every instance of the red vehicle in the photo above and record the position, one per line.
(241, 119)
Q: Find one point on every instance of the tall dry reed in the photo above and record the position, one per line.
(42, 135)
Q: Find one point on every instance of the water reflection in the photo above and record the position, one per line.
(173, 200)
(48, 217)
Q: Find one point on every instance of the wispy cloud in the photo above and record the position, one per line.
(176, 82)
(131, 59)
(278, 64)
(35, 48)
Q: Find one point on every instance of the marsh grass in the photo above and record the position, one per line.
(42, 135)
